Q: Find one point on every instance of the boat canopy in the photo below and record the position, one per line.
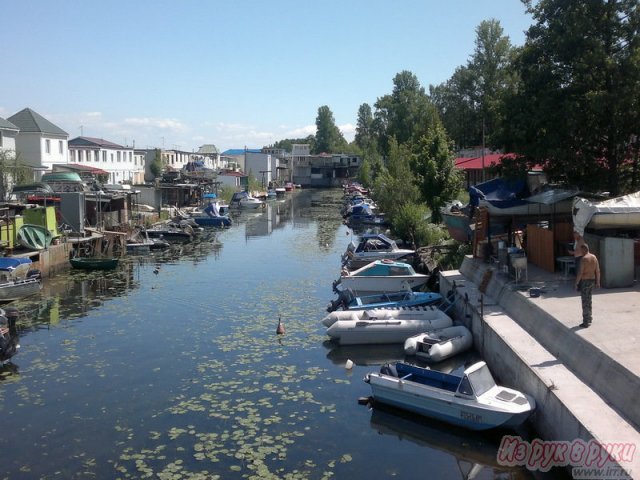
(9, 264)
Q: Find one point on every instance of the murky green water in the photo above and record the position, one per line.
(170, 368)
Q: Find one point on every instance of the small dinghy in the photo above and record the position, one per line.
(472, 400)
(379, 331)
(416, 313)
(34, 237)
(438, 345)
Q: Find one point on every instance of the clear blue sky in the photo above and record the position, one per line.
(235, 73)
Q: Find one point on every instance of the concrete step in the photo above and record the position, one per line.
(568, 407)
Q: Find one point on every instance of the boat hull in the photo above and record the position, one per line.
(440, 405)
(17, 289)
(94, 263)
(401, 313)
(378, 284)
(371, 332)
(221, 221)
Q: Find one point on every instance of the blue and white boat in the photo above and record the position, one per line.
(211, 217)
(472, 400)
(347, 300)
(381, 276)
(18, 279)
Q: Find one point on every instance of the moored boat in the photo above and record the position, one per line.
(381, 276)
(406, 298)
(472, 400)
(94, 263)
(377, 331)
(399, 313)
(438, 345)
(373, 246)
(17, 278)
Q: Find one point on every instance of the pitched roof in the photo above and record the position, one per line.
(29, 121)
(475, 163)
(208, 148)
(95, 142)
(7, 125)
(241, 151)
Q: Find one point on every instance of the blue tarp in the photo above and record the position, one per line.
(11, 263)
(499, 192)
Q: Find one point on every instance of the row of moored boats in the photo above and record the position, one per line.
(380, 302)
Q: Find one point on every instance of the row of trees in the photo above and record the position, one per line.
(567, 100)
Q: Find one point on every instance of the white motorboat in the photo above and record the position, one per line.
(251, 202)
(620, 212)
(381, 276)
(400, 313)
(438, 345)
(373, 246)
(472, 400)
(378, 331)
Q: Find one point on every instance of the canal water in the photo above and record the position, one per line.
(170, 367)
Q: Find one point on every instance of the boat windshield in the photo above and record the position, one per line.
(481, 380)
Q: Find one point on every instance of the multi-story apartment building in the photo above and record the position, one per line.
(120, 163)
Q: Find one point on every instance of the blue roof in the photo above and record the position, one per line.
(241, 151)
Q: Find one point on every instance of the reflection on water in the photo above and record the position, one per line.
(474, 454)
(170, 366)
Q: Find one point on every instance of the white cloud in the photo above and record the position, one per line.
(348, 131)
(159, 123)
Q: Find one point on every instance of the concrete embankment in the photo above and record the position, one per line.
(585, 381)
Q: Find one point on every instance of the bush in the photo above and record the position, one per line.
(411, 224)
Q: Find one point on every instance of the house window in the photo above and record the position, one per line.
(47, 145)
(95, 155)
(112, 158)
(104, 155)
(80, 155)
(0, 139)
(118, 156)
(130, 157)
(60, 147)
(72, 154)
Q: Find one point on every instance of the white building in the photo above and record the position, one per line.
(119, 162)
(39, 143)
(8, 134)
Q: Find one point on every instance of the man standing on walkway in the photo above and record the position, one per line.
(588, 277)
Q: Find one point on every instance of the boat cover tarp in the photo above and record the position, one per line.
(503, 193)
(500, 192)
(9, 264)
(584, 210)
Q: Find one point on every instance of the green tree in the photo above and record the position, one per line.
(403, 115)
(12, 172)
(470, 102)
(364, 137)
(329, 139)
(394, 184)
(156, 166)
(287, 143)
(435, 172)
(576, 111)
